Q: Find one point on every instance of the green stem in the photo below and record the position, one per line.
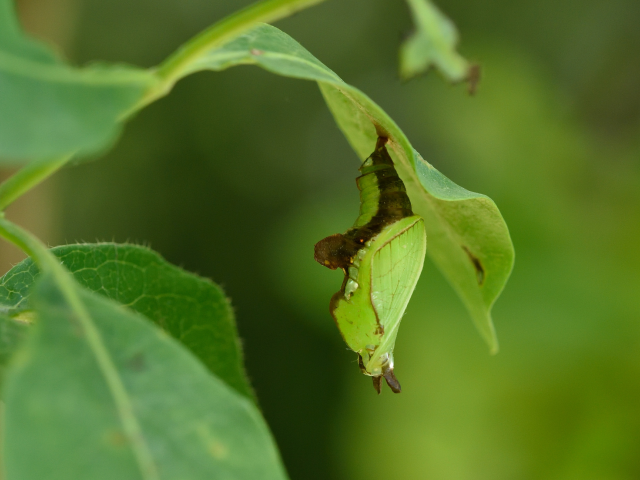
(29, 244)
(49, 264)
(174, 67)
(28, 177)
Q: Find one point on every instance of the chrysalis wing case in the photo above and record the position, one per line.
(382, 257)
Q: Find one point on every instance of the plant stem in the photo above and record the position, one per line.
(28, 177)
(174, 67)
(29, 244)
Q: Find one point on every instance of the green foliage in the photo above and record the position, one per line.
(468, 239)
(44, 101)
(117, 364)
(191, 309)
(102, 394)
(140, 405)
(432, 44)
(560, 400)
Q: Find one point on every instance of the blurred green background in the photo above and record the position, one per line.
(237, 174)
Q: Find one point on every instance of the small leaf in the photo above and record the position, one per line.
(192, 309)
(51, 109)
(468, 238)
(130, 401)
(433, 44)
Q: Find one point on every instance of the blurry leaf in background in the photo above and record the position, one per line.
(132, 403)
(44, 101)
(191, 309)
(467, 236)
(433, 44)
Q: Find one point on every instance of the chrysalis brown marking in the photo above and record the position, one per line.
(381, 257)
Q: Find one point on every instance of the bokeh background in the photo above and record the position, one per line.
(237, 174)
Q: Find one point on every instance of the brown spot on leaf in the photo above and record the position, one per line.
(255, 51)
(136, 362)
(116, 438)
(476, 264)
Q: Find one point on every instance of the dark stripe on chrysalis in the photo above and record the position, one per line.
(338, 251)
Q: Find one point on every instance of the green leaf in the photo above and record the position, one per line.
(12, 333)
(192, 309)
(468, 238)
(51, 109)
(131, 402)
(433, 44)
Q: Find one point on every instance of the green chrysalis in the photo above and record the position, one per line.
(382, 257)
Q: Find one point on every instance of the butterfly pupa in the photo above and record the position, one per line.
(382, 257)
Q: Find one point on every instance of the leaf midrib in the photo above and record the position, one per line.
(124, 405)
(61, 73)
(253, 60)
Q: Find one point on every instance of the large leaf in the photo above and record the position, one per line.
(192, 309)
(468, 239)
(12, 333)
(97, 392)
(433, 44)
(50, 108)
